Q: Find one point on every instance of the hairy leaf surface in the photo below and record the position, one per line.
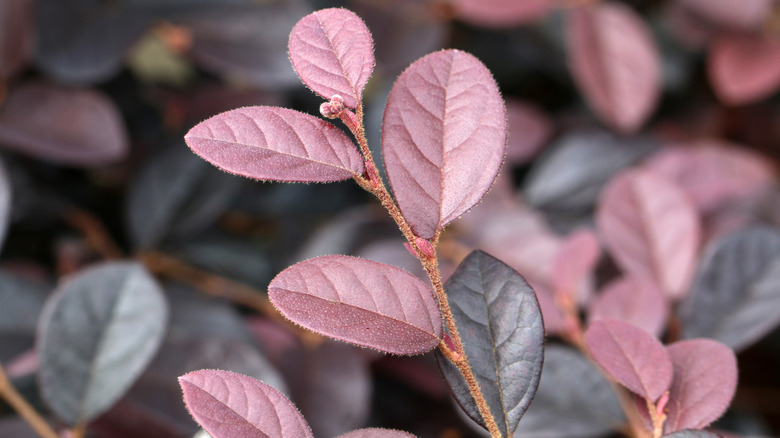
(97, 333)
(359, 301)
(500, 324)
(375, 432)
(632, 356)
(443, 138)
(333, 53)
(744, 69)
(631, 299)
(736, 292)
(270, 143)
(230, 405)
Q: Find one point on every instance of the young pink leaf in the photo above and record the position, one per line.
(443, 138)
(528, 130)
(632, 299)
(359, 301)
(270, 143)
(744, 68)
(230, 405)
(741, 14)
(575, 260)
(501, 13)
(632, 356)
(705, 378)
(333, 53)
(651, 228)
(615, 64)
(374, 432)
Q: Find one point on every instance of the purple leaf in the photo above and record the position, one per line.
(230, 405)
(443, 138)
(635, 300)
(65, 125)
(6, 191)
(744, 69)
(736, 293)
(500, 324)
(374, 432)
(333, 53)
(17, 31)
(575, 260)
(631, 356)
(738, 14)
(651, 228)
(690, 433)
(705, 378)
(501, 13)
(97, 333)
(529, 129)
(359, 301)
(270, 143)
(615, 64)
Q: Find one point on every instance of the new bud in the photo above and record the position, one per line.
(333, 108)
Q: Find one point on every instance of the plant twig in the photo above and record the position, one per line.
(23, 408)
(94, 232)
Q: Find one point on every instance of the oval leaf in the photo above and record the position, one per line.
(736, 293)
(615, 64)
(705, 378)
(635, 300)
(528, 130)
(501, 13)
(374, 432)
(17, 31)
(690, 433)
(6, 191)
(230, 405)
(574, 262)
(500, 324)
(631, 356)
(443, 138)
(64, 125)
(737, 14)
(744, 69)
(333, 53)
(97, 333)
(280, 144)
(651, 228)
(359, 301)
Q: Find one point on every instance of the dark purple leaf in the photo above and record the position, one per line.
(690, 433)
(705, 378)
(736, 292)
(631, 299)
(501, 13)
(17, 31)
(443, 138)
(528, 130)
(270, 143)
(333, 53)
(651, 228)
(230, 405)
(176, 196)
(573, 401)
(359, 301)
(65, 125)
(615, 64)
(574, 262)
(500, 323)
(374, 432)
(631, 356)
(739, 14)
(97, 333)
(744, 69)
(568, 178)
(21, 301)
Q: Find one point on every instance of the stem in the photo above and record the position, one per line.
(23, 408)
(94, 232)
(374, 184)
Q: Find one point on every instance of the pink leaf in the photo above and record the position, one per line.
(742, 14)
(374, 432)
(443, 138)
(333, 53)
(632, 356)
(713, 172)
(359, 301)
(634, 300)
(615, 63)
(744, 69)
(651, 229)
(281, 144)
(230, 405)
(501, 13)
(529, 129)
(705, 378)
(64, 125)
(575, 260)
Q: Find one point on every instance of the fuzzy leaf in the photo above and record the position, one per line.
(97, 333)
(736, 14)
(17, 31)
(631, 299)
(230, 405)
(651, 228)
(632, 356)
(736, 293)
(443, 138)
(575, 260)
(744, 69)
(65, 125)
(359, 301)
(333, 53)
(270, 143)
(705, 378)
(374, 432)
(615, 64)
(500, 324)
